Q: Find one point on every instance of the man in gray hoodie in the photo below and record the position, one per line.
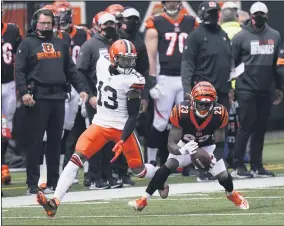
(257, 46)
(100, 171)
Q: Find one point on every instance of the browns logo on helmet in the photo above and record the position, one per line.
(122, 54)
(203, 97)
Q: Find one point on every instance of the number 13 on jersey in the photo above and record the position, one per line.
(174, 37)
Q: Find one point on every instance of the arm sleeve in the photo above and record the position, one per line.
(188, 62)
(133, 105)
(21, 68)
(277, 75)
(86, 65)
(72, 74)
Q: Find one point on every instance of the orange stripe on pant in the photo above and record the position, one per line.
(95, 137)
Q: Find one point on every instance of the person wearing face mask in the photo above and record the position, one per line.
(207, 57)
(43, 70)
(100, 171)
(258, 47)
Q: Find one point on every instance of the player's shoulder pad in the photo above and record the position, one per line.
(175, 115)
(224, 115)
(150, 22)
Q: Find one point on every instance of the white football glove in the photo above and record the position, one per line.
(189, 148)
(83, 110)
(156, 92)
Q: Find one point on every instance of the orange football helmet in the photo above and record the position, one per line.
(203, 97)
(122, 54)
(64, 10)
(96, 18)
(115, 9)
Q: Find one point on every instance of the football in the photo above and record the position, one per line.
(201, 159)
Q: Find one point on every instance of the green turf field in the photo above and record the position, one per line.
(266, 208)
(273, 160)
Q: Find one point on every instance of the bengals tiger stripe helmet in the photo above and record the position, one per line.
(203, 97)
(65, 13)
(122, 54)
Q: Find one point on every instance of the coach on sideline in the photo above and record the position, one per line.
(43, 70)
(258, 47)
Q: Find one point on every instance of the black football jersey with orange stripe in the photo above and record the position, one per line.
(78, 37)
(10, 41)
(171, 40)
(64, 36)
(199, 129)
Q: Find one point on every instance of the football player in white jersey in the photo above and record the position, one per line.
(119, 89)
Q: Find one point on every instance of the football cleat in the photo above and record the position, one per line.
(165, 192)
(50, 205)
(5, 174)
(239, 200)
(138, 204)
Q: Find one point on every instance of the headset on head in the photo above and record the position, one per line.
(36, 15)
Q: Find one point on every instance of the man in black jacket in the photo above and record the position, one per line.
(207, 57)
(258, 47)
(43, 68)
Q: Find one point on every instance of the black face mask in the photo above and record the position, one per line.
(259, 21)
(211, 18)
(131, 26)
(110, 33)
(45, 33)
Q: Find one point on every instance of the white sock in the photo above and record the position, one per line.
(152, 153)
(65, 180)
(148, 172)
(147, 196)
(61, 163)
(42, 173)
(229, 193)
(86, 167)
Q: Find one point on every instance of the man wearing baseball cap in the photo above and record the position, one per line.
(258, 47)
(89, 54)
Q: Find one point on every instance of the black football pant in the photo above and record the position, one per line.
(45, 115)
(254, 114)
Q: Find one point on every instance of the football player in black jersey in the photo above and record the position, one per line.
(194, 123)
(10, 40)
(165, 37)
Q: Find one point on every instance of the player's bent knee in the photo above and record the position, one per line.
(139, 171)
(172, 164)
(222, 176)
(78, 158)
(218, 168)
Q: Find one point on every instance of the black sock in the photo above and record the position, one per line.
(228, 183)
(159, 179)
(4, 146)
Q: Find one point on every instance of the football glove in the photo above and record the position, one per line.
(156, 92)
(189, 148)
(117, 150)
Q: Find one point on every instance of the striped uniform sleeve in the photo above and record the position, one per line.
(175, 116)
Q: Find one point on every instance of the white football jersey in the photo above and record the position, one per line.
(111, 95)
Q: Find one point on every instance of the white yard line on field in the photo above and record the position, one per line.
(151, 215)
(132, 192)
